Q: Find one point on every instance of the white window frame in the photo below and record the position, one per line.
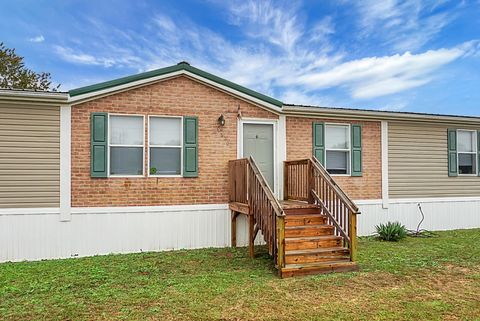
(475, 152)
(349, 150)
(181, 146)
(117, 145)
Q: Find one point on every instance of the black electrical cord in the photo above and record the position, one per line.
(420, 232)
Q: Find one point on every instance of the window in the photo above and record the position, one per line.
(165, 145)
(126, 145)
(337, 147)
(467, 152)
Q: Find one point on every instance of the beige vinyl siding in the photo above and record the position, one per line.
(418, 163)
(29, 156)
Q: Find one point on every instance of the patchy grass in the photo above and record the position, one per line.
(414, 279)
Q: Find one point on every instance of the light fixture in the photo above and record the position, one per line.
(221, 120)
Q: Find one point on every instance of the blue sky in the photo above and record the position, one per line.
(411, 55)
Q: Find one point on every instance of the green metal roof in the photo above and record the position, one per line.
(180, 66)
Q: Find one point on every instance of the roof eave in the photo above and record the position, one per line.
(122, 84)
(7, 95)
(375, 115)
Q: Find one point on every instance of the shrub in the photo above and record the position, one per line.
(391, 231)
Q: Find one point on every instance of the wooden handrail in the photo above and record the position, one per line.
(308, 180)
(348, 201)
(266, 188)
(247, 185)
(330, 215)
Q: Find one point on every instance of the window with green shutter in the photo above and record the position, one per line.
(338, 147)
(98, 144)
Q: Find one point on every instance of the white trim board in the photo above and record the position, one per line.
(65, 162)
(147, 209)
(434, 200)
(281, 153)
(385, 187)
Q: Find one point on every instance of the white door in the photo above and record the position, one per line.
(258, 140)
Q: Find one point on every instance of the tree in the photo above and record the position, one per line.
(14, 74)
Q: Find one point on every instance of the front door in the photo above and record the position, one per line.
(258, 143)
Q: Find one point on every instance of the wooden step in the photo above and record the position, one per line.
(317, 255)
(309, 230)
(305, 219)
(312, 242)
(317, 268)
(302, 211)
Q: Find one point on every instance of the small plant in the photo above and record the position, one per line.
(391, 231)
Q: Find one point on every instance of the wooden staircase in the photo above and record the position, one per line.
(312, 231)
(311, 246)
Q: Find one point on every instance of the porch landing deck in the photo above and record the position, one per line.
(286, 205)
(291, 204)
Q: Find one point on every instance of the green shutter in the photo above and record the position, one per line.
(190, 147)
(356, 150)
(98, 144)
(452, 152)
(319, 142)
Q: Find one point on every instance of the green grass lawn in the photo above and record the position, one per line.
(415, 279)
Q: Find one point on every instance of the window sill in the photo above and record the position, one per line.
(165, 176)
(126, 176)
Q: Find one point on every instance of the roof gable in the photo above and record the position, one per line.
(180, 68)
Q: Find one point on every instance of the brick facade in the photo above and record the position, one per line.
(179, 96)
(369, 186)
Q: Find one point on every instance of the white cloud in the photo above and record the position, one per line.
(164, 22)
(380, 76)
(277, 55)
(39, 38)
(403, 24)
(276, 22)
(78, 57)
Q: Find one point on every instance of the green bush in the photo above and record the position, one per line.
(391, 231)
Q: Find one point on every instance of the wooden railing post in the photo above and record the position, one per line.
(353, 237)
(280, 222)
(285, 181)
(311, 182)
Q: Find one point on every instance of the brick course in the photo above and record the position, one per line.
(180, 96)
(369, 186)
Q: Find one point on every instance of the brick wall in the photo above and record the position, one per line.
(369, 186)
(179, 96)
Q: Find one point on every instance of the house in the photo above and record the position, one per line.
(160, 160)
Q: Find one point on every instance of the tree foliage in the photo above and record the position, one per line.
(14, 74)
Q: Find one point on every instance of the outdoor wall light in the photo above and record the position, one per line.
(221, 120)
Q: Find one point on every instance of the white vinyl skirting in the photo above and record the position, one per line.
(35, 234)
